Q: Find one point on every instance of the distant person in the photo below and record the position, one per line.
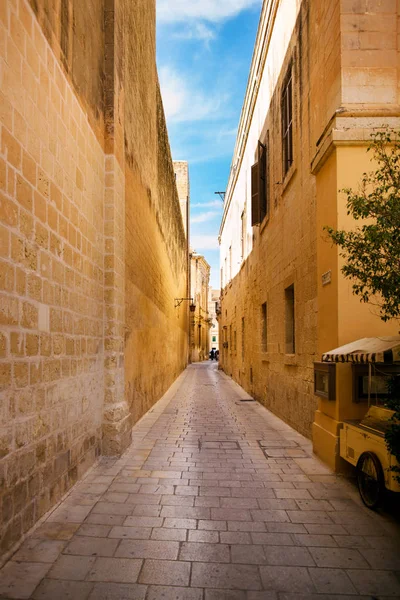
(212, 354)
(216, 354)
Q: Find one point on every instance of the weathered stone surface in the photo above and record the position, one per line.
(93, 247)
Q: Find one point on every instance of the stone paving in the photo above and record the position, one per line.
(216, 499)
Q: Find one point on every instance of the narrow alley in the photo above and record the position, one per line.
(215, 499)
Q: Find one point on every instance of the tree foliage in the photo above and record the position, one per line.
(372, 250)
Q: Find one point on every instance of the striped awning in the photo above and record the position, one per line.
(367, 350)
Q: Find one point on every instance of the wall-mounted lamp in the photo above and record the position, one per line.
(178, 302)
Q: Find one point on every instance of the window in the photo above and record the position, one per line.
(230, 338)
(259, 186)
(234, 340)
(264, 316)
(199, 342)
(226, 269)
(242, 339)
(289, 320)
(263, 174)
(287, 121)
(214, 338)
(243, 234)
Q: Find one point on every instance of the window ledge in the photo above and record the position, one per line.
(265, 357)
(290, 360)
(288, 177)
(264, 223)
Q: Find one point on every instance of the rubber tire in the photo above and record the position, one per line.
(380, 492)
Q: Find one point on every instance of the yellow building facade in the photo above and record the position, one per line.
(199, 319)
(324, 76)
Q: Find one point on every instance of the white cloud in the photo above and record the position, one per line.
(197, 31)
(183, 102)
(204, 242)
(203, 217)
(213, 11)
(212, 203)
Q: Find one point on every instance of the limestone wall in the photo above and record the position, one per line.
(344, 86)
(92, 244)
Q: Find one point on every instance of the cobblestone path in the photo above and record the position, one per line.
(215, 499)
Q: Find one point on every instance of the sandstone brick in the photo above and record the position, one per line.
(21, 374)
(29, 316)
(31, 344)
(8, 211)
(3, 345)
(9, 310)
(6, 277)
(29, 168)
(17, 345)
(5, 375)
(11, 148)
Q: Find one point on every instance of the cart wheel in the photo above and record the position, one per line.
(371, 483)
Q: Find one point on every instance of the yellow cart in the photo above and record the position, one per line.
(352, 385)
(362, 444)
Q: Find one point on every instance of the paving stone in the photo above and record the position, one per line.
(49, 589)
(148, 549)
(375, 582)
(118, 591)
(204, 552)
(204, 536)
(146, 499)
(212, 525)
(74, 568)
(287, 579)
(166, 572)
(87, 529)
(331, 581)
(239, 503)
(272, 539)
(207, 501)
(55, 531)
(314, 540)
(69, 514)
(208, 575)
(235, 537)
(352, 541)
(344, 558)
(99, 519)
(308, 516)
(270, 516)
(226, 595)
(173, 593)
(117, 570)
(168, 500)
(134, 533)
(143, 521)
(115, 497)
(19, 580)
(38, 550)
(90, 546)
(186, 512)
(175, 523)
(143, 510)
(112, 508)
(160, 533)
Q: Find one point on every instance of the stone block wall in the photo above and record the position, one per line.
(65, 246)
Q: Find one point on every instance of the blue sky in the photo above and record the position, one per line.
(204, 49)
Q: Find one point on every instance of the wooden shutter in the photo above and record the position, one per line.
(262, 177)
(255, 195)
